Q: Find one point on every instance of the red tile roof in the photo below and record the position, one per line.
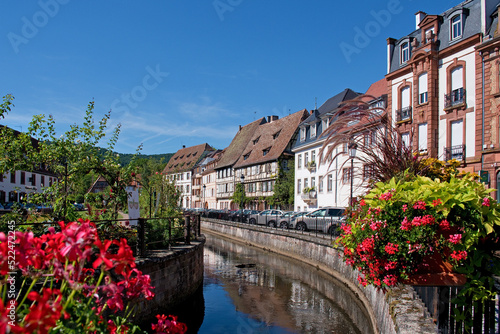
(271, 140)
(186, 158)
(377, 89)
(234, 151)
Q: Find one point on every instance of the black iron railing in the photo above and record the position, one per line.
(455, 152)
(403, 114)
(454, 98)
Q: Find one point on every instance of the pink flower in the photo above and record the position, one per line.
(385, 196)
(420, 205)
(362, 202)
(486, 201)
(405, 207)
(390, 280)
(405, 224)
(455, 238)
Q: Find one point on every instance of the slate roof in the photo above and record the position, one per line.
(471, 27)
(234, 151)
(186, 158)
(271, 140)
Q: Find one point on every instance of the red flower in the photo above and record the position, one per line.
(459, 255)
(486, 201)
(168, 325)
(44, 312)
(391, 248)
(455, 238)
(385, 196)
(436, 202)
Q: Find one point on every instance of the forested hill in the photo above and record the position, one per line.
(125, 158)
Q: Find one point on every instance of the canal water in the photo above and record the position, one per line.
(249, 290)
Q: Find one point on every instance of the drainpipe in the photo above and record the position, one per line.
(482, 109)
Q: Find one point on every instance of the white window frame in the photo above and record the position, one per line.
(422, 88)
(456, 27)
(422, 138)
(405, 52)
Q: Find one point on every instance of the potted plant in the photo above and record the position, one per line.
(401, 229)
(311, 165)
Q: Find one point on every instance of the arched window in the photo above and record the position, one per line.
(456, 27)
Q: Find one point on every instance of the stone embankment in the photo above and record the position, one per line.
(396, 311)
(176, 275)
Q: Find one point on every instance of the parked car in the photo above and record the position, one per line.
(268, 217)
(327, 220)
(79, 206)
(44, 208)
(284, 220)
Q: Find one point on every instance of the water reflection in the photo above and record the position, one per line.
(247, 290)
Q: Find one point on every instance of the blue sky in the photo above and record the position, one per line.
(188, 72)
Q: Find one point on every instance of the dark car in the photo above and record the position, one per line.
(326, 220)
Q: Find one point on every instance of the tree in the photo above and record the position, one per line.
(284, 187)
(239, 196)
(71, 156)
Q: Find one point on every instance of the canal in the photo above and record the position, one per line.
(249, 290)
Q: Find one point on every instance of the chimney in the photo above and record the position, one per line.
(183, 146)
(390, 50)
(272, 118)
(419, 16)
(240, 128)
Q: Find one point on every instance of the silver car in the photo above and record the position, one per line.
(326, 220)
(268, 217)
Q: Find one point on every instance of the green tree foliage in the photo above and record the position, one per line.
(284, 186)
(71, 156)
(239, 196)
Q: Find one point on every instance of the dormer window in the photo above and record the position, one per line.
(325, 124)
(266, 151)
(405, 52)
(456, 27)
(276, 135)
(246, 156)
(313, 130)
(302, 134)
(256, 140)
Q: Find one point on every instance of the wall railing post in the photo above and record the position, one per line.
(141, 238)
(187, 230)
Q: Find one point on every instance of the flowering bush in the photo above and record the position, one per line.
(72, 282)
(399, 224)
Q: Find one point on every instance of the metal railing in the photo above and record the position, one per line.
(403, 114)
(483, 317)
(454, 98)
(455, 152)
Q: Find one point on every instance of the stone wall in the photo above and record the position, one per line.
(396, 311)
(175, 274)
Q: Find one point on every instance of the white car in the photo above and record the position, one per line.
(268, 217)
(327, 220)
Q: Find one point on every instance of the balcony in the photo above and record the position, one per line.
(403, 115)
(309, 197)
(455, 152)
(455, 98)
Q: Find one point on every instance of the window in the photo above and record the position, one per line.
(13, 177)
(456, 91)
(306, 183)
(306, 158)
(330, 183)
(33, 179)
(265, 151)
(325, 124)
(368, 138)
(405, 97)
(422, 88)
(245, 157)
(256, 140)
(320, 184)
(346, 175)
(405, 139)
(313, 182)
(276, 134)
(23, 178)
(456, 27)
(1, 177)
(299, 161)
(405, 52)
(368, 172)
(422, 137)
(313, 156)
(313, 130)
(302, 134)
